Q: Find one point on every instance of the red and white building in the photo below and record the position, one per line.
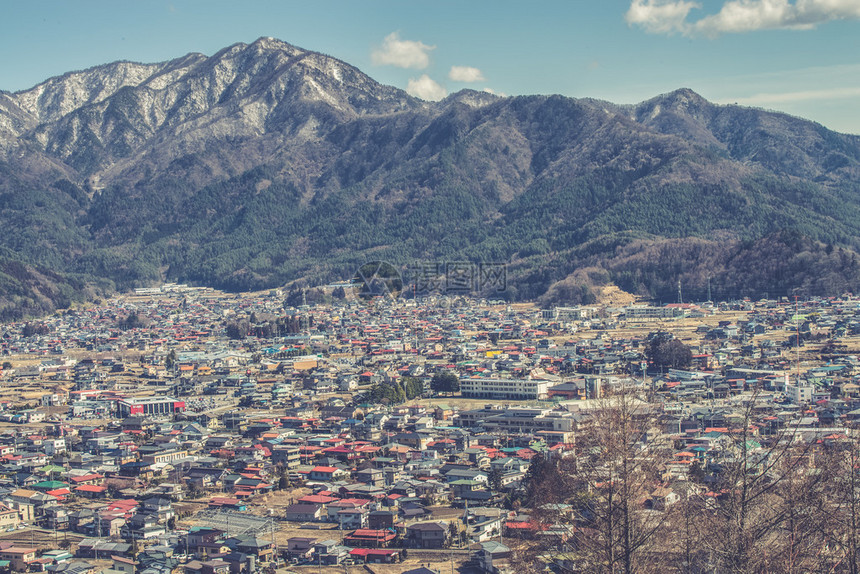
(149, 406)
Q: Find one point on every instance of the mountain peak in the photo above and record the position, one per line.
(682, 98)
(681, 112)
(270, 43)
(471, 98)
(685, 94)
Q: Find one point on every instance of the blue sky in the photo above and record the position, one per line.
(797, 56)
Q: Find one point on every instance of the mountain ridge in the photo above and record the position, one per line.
(265, 164)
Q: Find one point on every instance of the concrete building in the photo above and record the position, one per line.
(799, 393)
(151, 406)
(512, 389)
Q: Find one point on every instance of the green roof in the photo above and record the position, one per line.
(49, 485)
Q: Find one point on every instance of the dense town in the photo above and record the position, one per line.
(185, 430)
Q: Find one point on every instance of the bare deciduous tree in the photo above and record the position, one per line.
(602, 522)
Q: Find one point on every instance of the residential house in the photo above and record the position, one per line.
(329, 553)
(327, 473)
(300, 548)
(19, 557)
(304, 513)
(142, 526)
(493, 557)
(370, 538)
(433, 534)
(9, 517)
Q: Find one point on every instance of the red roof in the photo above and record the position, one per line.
(373, 552)
(223, 501)
(59, 493)
(316, 499)
(122, 504)
(90, 488)
(367, 534)
(519, 525)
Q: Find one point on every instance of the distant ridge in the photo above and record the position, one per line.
(267, 164)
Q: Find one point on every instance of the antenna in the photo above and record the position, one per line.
(680, 299)
(797, 329)
(304, 322)
(709, 288)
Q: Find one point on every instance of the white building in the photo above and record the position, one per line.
(569, 313)
(651, 312)
(513, 389)
(149, 406)
(799, 393)
(54, 446)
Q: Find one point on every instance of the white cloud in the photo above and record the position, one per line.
(736, 16)
(402, 53)
(426, 88)
(465, 74)
(660, 16)
(750, 15)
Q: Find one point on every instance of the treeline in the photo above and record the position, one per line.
(561, 233)
(255, 230)
(785, 263)
(405, 389)
(29, 291)
(243, 327)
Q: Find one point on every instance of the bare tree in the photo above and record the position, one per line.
(767, 498)
(772, 498)
(603, 523)
(840, 465)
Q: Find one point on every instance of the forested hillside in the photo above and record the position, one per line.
(265, 165)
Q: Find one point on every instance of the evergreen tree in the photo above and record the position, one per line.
(445, 382)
